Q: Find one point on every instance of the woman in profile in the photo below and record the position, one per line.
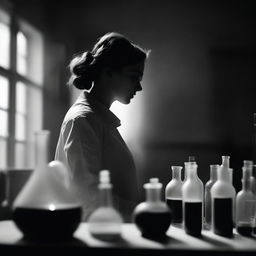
(89, 140)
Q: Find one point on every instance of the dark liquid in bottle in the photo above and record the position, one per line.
(176, 209)
(193, 218)
(222, 216)
(153, 224)
(244, 230)
(44, 224)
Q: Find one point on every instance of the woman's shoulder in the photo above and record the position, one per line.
(81, 115)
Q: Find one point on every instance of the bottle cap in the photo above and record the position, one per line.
(153, 184)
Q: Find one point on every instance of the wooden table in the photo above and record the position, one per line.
(177, 242)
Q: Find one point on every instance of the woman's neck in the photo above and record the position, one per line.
(102, 95)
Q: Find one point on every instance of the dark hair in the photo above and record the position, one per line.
(112, 50)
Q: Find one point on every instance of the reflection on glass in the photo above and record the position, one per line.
(3, 123)
(4, 92)
(21, 97)
(22, 53)
(3, 153)
(20, 155)
(4, 45)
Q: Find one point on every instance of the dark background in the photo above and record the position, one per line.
(199, 82)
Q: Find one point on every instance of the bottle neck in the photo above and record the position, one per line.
(246, 185)
(176, 173)
(191, 172)
(213, 172)
(106, 197)
(224, 171)
(153, 195)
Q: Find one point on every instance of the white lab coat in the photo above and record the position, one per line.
(89, 142)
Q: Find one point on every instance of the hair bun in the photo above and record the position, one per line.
(82, 63)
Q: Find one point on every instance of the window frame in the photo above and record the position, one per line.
(12, 75)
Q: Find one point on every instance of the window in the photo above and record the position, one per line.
(21, 80)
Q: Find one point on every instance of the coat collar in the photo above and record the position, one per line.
(108, 116)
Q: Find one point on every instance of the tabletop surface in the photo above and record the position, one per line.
(176, 240)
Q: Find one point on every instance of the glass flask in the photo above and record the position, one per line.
(243, 214)
(46, 207)
(105, 222)
(173, 194)
(223, 197)
(192, 195)
(152, 217)
(207, 197)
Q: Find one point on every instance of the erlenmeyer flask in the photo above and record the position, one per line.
(46, 208)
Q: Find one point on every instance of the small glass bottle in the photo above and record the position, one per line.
(243, 215)
(208, 198)
(152, 217)
(105, 222)
(173, 194)
(192, 196)
(223, 196)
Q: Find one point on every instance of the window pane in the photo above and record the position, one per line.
(20, 129)
(4, 45)
(3, 123)
(21, 53)
(4, 92)
(3, 153)
(21, 98)
(20, 155)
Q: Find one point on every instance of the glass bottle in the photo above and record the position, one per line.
(152, 217)
(253, 181)
(105, 222)
(173, 194)
(243, 214)
(223, 196)
(192, 196)
(46, 208)
(208, 198)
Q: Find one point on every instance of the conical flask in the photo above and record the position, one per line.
(46, 208)
(105, 222)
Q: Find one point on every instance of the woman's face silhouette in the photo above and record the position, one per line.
(126, 82)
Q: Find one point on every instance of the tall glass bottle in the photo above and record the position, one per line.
(243, 214)
(173, 194)
(105, 222)
(192, 195)
(253, 181)
(223, 196)
(207, 197)
(152, 217)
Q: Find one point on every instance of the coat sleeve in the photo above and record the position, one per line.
(82, 149)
